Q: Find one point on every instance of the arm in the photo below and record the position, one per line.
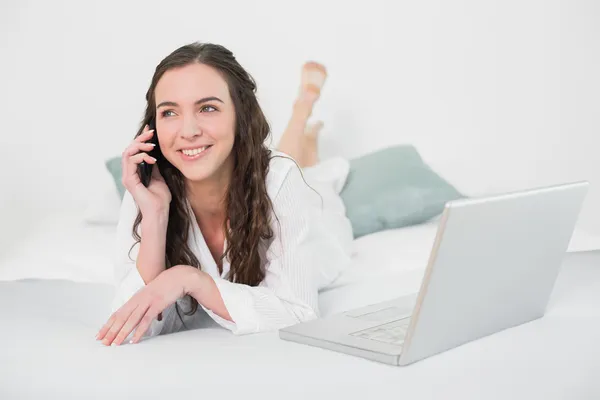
(135, 269)
(151, 257)
(202, 287)
(302, 256)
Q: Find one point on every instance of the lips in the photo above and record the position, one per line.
(193, 154)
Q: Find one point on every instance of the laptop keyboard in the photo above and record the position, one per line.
(392, 332)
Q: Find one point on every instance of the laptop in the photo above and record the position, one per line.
(493, 266)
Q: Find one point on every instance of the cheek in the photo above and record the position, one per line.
(167, 131)
(167, 134)
(224, 131)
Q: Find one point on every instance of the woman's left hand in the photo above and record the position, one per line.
(143, 307)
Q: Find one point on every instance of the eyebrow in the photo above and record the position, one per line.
(203, 100)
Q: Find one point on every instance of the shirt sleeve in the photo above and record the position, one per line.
(127, 277)
(303, 256)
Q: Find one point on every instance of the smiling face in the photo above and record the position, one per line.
(195, 121)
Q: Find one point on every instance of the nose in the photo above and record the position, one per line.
(190, 128)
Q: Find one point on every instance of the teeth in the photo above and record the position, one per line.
(193, 152)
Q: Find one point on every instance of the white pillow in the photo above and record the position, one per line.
(104, 203)
(61, 246)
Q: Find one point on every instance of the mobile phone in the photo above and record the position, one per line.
(145, 169)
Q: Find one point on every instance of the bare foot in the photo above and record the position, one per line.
(297, 141)
(310, 154)
(312, 81)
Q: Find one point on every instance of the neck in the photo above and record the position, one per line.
(208, 198)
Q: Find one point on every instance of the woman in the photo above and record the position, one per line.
(226, 227)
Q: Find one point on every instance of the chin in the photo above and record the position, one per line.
(197, 174)
(204, 168)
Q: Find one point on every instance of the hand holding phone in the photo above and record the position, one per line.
(144, 168)
(140, 178)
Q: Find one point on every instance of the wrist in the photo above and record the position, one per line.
(158, 218)
(193, 280)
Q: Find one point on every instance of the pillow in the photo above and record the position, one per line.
(387, 189)
(393, 188)
(104, 203)
(114, 167)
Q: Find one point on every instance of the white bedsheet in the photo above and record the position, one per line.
(48, 351)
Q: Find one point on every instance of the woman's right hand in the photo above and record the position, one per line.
(156, 197)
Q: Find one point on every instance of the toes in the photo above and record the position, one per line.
(313, 74)
(309, 65)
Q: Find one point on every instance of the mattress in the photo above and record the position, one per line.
(47, 346)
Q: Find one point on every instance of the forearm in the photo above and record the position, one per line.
(202, 287)
(151, 257)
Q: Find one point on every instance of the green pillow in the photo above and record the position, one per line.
(393, 188)
(386, 189)
(114, 167)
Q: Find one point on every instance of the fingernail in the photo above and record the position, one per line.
(131, 341)
(151, 130)
(152, 144)
(153, 158)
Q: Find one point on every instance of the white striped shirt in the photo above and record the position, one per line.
(311, 246)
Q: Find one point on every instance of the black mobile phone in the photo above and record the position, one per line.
(145, 169)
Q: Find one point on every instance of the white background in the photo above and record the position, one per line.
(496, 95)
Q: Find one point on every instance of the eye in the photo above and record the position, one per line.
(208, 108)
(165, 113)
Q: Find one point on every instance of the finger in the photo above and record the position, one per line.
(144, 324)
(129, 177)
(122, 316)
(132, 322)
(104, 330)
(133, 149)
(145, 135)
(139, 157)
(136, 147)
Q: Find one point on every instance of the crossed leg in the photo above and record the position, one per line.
(299, 140)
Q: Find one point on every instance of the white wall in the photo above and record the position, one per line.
(497, 95)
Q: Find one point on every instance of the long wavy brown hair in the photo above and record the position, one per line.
(248, 206)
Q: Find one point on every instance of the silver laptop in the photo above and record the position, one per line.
(493, 266)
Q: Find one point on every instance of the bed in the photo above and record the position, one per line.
(56, 287)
